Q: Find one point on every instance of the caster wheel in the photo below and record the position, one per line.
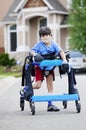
(78, 107)
(33, 110)
(32, 106)
(22, 104)
(65, 104)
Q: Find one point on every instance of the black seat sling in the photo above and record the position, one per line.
(26, 80)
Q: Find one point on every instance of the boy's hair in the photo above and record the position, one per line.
(44, 31)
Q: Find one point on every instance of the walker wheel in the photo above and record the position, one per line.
(32, 106)
(33, 110)
(22, 103)
(78, 107)
(65, 104)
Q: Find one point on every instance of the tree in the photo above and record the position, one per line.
(77, 28)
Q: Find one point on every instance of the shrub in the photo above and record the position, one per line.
(6, 61)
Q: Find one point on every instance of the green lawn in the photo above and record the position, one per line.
(15, 71)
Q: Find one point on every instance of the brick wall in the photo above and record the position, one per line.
(4, 6)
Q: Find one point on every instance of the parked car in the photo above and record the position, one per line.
(77, 60)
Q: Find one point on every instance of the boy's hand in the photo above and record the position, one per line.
(65, 67)
(38, 58)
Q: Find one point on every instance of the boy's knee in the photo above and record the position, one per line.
(38, 86)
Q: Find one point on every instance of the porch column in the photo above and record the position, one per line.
(55, 27)
(59, 31)
(21, 35)
(58, 36)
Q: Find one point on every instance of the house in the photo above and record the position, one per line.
(4, 7)
(25, 17)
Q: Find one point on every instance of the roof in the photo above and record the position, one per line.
(55, 5)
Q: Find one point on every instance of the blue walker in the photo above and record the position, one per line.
(28, 94)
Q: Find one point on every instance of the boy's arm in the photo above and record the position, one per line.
(36, 57)
(32, 53)
(62, 54)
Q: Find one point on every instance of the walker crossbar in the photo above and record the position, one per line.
(55, 62)
(64, 97)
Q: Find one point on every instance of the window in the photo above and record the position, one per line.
(13, 41)
(43, 22)
(13, 38)
(13, 27)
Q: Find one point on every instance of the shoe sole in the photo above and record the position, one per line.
(53, 110)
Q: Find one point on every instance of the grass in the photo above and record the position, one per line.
(15, 71)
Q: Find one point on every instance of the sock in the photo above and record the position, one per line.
(49, 103)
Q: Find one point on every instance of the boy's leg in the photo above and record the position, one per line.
(49, 82)
(37, 85)
(38, 78)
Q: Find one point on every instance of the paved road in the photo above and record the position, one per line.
(11, 118)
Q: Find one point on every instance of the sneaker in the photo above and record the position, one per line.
(52, 108)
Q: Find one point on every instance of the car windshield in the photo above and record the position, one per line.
(75, 54)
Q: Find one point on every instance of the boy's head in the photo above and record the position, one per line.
(44, 31)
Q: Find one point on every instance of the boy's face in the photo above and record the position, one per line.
(46, 38)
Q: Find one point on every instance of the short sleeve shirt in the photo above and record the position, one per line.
(42, 49)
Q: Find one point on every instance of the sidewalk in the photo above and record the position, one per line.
(6, 83)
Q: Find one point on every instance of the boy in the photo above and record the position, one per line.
(46, 46)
